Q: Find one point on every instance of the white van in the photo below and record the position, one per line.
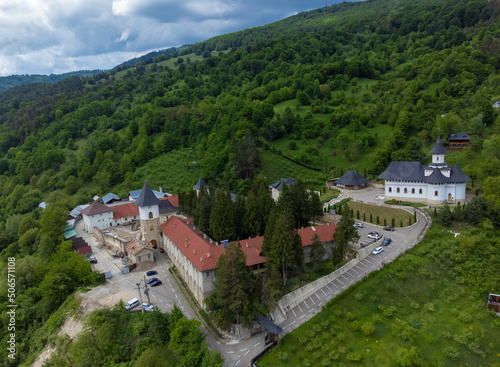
(132, 303)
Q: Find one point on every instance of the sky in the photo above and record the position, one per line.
(57, 36)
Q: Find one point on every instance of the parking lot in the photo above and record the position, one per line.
(124, 286)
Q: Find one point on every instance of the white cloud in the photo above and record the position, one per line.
(53, 36)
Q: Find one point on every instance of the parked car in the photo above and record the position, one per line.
(151, 272)
(151, 280)
(155, 283)
(92, 260)
(387, 241)
(378, 250)
(374, 235)
(162, 251)
(132, 303)
(358, 225)
(148, 307)
(389, 228)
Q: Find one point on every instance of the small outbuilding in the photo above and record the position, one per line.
(351, 180)
(458, 141)
(139, 251)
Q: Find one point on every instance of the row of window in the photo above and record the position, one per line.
(406, 190)
(412, 191)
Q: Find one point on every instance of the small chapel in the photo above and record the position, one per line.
(434, 183)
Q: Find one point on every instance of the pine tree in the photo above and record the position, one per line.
(344, 234)
(317, 253)
(278, 246)
(222, 224)
(202, 212)
(235, 288)
(316, 207)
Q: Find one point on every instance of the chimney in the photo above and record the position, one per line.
(210, 240)
(194, 252)
(194, 228)
(204, 235)
(174, 225)
(186, 238)
(201, 258)
(216, 243)
(160, 189)
(208, 254)
(186, 245)
(247, 244)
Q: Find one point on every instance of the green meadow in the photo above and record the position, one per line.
(427, 308)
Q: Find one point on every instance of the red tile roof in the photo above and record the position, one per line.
(174, 200)
(136, 246)
(125, 210)
(324, 231)
(199, 251)
(85, 250)
(252, 247)
(96, 208)
(177, 230)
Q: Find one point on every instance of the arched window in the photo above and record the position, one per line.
(397, 190)
(412, 191)
(406, 190)
(390, 189)
(436, 193)
(150, 215)
(420, 191)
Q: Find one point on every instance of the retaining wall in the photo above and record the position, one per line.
(292, 299)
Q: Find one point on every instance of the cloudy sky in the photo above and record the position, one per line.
(56, 36)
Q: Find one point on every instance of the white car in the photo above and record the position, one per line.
(378, 250)
(148, 307)
(358, 225)
(373, 235)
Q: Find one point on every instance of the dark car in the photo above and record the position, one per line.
(151, 272)
(151, 280)
(155, 283)
(388, 228)
(387, 241)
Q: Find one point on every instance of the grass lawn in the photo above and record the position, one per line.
(382, 212)
(417, 308)
(325, 159)
(407, 203)
(329, 195)
(174, 171)
(275, 167)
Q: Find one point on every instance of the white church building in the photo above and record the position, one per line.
(433, 184)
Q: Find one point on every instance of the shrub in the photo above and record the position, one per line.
(368, 328)
(429, 306)
(452, 353)
(359, 296)
(353, 357)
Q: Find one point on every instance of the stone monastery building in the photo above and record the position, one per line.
(194, 254)
(434, 183)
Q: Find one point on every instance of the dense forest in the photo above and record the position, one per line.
(372, 82)
(7, 82)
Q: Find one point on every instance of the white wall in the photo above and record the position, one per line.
(145, 210)
(101, 221)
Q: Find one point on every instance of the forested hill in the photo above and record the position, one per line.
(354, 85)
(7, 82)
(351, 86)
